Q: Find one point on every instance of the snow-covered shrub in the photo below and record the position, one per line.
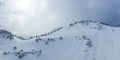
(61, 38)
(20, 54)
(84, 37)
(71, 24)
(6, 34)
(38, 39)
(89, 43)
(51, 39)
(6, 53)
(14, 48)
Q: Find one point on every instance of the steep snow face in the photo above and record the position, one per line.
(81, 40)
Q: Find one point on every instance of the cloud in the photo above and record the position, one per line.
(105, 10)
(38, 16)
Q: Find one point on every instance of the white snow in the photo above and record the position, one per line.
(81, 41)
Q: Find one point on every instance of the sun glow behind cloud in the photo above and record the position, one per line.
(30, 17)
(22, 5)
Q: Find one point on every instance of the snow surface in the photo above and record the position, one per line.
(81, 40)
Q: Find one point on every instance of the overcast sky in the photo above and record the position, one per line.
(38, 16)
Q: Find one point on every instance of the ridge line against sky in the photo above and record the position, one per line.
(39, 16)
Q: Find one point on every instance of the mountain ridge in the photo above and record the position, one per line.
(83, 22)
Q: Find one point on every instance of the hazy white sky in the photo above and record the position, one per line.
(38, 16)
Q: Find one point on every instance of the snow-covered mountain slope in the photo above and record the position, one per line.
(81, 40)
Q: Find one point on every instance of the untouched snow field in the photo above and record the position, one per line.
(81, 40)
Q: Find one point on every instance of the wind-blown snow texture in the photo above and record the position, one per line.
(81, 40)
